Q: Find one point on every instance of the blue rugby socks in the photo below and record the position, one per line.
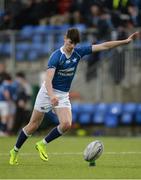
(21, 139)
(54, 133)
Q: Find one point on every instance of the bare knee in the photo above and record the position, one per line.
(65, 126)
(31, 127)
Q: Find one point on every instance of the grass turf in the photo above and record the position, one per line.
(121, 159)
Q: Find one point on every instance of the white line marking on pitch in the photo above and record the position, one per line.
(73, 153)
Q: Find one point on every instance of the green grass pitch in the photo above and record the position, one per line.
(121, 159)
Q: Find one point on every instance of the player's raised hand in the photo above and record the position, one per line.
(132, 37)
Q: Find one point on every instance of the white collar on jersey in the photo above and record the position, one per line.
(67, 56)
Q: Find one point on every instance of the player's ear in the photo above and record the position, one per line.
(65, 38)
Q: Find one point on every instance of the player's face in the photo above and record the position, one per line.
(69, 45)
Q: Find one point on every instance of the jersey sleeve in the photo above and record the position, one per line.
(84, 50)
(53, 61)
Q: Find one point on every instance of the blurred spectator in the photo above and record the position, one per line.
(64, 6)
(13, 10)
(121, 33)
(135, 15)
(137, 3)
(118, 10)
(15, 7)
(29, 12)
(23, 95)
(76, 18)
(7, 107)
(26, 16)
(4, 20)
(101, 20)
(34, 12)
(137, 43)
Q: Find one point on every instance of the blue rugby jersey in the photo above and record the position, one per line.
(6, 87)
(66, 67)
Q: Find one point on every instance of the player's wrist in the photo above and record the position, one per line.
(52, 96)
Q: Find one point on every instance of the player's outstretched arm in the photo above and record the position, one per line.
(112, 44)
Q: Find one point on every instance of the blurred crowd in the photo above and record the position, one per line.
(101, 14)
(15, 93)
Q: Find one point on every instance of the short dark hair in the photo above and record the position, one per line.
(74, 35)
(20, 75)
(7, 77)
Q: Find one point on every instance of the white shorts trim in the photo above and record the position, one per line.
(7, 108)
(43, 103)
(4, 108)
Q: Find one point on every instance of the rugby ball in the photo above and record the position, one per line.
(93, 150)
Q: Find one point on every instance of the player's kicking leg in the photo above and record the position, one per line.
(65, 124)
